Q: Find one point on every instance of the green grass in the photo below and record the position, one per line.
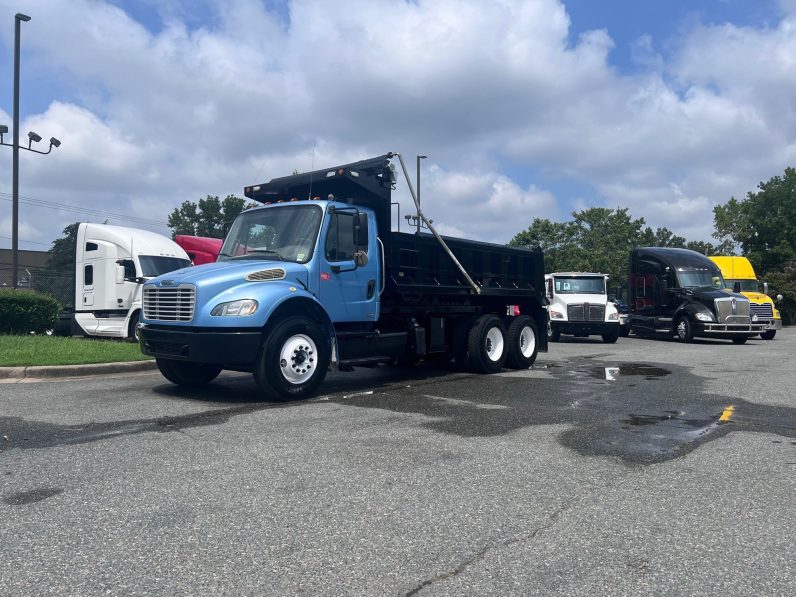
(23, 351)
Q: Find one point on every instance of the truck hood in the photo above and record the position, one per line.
(226, 272)
(758, 297)
(706, 296)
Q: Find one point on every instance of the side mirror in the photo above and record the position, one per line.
(736, 287)
(360, 229)
(779, 297)
(361, 258)
(120, 274)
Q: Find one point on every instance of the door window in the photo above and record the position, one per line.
(342, 239)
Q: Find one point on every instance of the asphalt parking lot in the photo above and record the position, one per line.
(641, 467)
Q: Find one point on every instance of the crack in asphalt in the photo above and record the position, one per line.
(553, 518)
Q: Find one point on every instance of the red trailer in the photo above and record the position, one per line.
(200, 249)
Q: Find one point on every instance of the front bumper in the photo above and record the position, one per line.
(774, 324)
(232, 347)
(585, 328)
(728, 329)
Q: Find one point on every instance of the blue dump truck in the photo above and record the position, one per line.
(316, 279)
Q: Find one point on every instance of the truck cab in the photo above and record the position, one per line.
(111, 264)
(681, 293)
(578, 305)
(317, 279)
(739, 276)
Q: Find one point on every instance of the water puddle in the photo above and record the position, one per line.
(648, 372)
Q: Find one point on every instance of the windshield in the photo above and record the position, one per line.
(700, 278)
(278, 233)
(155, 265)
(746, 285)
(580, 285)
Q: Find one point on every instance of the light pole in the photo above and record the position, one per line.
(32, 138)
(420, 157)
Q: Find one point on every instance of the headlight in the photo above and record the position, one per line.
(556, 314)
(704, 316)
(241, 307)
(613, 316)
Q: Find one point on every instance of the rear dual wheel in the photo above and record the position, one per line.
(521, 338)
(484, 344)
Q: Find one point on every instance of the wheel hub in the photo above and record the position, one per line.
(297, 358)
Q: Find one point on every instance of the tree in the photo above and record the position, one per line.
(764, 223)
(58, 277)
(209, 217)
(599, 240)
(595, 240)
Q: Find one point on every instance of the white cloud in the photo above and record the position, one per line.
(156, 118)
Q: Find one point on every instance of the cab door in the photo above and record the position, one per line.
(350, 266)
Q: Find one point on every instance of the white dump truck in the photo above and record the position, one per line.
(111, 264)
(578, 305)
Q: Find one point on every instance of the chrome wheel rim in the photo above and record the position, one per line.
(494, 344)
(681, 329)
(297, 359)
(527, 341)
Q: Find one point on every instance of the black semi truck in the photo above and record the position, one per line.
(677, 292)
(317, 278)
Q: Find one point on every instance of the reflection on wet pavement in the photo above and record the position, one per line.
(612, 408)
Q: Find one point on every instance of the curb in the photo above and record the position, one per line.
(75, 370)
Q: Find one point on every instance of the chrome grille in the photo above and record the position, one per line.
(575, 312)
(586, 312)
(276, 273)
(169, 304)
(762, 310)
(726, 313)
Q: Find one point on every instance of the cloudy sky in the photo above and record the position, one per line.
(526, 108)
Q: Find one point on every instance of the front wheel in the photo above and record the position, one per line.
(187, 374)
(610, 337)
(132, 328)
(683, 329)
(769, 335)
(522, 346)
(293, 359)
(553, 335)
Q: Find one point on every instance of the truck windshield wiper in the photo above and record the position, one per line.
(259, 252)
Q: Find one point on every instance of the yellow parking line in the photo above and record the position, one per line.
(725, 416)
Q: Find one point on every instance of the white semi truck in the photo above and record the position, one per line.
(578, 305)
(111, 264)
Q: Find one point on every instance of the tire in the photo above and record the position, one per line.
(552, 335)
(610, 337)
(683, 329)
(521, 339)
(739, 340)
(293, 359)
(769, 335)
(132, 331)
(187, 374)
(486, 345)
